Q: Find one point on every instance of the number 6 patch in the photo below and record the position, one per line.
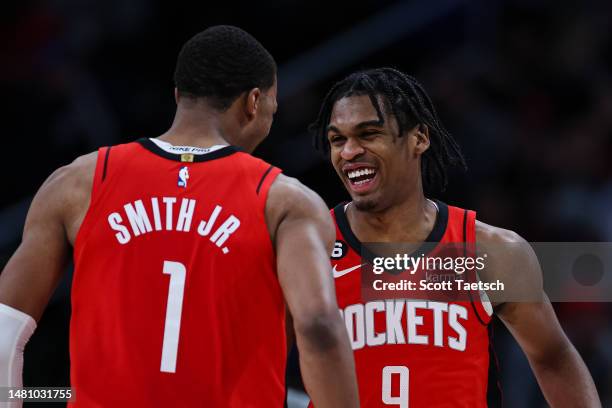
(340, 250)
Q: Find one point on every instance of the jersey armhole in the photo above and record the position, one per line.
(264, 185)
(100, 174)
(480, 300)
(470, 226)
(101, 170)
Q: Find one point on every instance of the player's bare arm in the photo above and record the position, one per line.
(563, 377)
(33, 272)
(31, 275)
(303, 236)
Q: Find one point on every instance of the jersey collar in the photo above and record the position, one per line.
(194, 155)
(434, 237)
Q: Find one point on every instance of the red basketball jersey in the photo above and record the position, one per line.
(411, 353)
(175, 298)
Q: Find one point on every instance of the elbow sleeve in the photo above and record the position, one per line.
(16, 328)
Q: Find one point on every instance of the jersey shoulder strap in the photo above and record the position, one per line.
(257, 174)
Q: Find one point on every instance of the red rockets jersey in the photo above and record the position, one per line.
(414, 353)
(175, 298)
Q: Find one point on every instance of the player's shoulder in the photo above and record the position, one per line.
(83, 163)
(292, 193)
(511, 260)
(508, 254)
(66, 190)
(489, 234)
(289, 199)
(74, 175)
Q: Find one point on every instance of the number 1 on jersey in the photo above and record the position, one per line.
(172, 328)
(404, 377)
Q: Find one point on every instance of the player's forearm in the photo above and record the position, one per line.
(327, 365)
(565, 380)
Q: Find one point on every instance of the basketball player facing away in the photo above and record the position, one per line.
(186, 249)
(385, 141)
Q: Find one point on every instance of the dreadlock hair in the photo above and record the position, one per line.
(221, 63)
(404, 98)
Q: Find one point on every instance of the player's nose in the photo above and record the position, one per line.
(351, 149)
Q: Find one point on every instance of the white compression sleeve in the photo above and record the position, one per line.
(16, 328)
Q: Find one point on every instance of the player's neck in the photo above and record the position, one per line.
(198, 127)
(409, 221)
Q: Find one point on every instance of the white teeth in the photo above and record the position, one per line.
(361, 172)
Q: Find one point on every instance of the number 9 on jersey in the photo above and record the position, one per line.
(400, 400)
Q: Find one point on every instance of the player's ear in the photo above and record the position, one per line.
(176, 95)
(422, 138)
(253, 99)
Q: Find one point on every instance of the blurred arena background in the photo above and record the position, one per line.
(525, 86)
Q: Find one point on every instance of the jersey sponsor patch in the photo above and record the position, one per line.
(187, 157)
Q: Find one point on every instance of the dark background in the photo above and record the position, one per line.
(525, 87)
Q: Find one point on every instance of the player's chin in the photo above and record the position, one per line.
(363, 199)
(364, 203)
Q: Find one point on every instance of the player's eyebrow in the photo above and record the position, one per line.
(332, 128)
(368, 123)
(359, 126)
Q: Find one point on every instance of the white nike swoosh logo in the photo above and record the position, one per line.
(343, 272)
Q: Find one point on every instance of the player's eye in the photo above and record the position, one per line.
(336, 139)
(369, 134)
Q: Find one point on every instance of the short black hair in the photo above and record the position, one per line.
(222, 62)
(405, 98)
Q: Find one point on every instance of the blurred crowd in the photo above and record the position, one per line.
(524, 86)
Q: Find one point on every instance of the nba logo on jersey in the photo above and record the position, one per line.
(183, 176)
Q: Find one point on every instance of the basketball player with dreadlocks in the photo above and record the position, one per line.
(187, 252)
(388, 146)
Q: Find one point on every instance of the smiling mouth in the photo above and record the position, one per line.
(361, 179)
